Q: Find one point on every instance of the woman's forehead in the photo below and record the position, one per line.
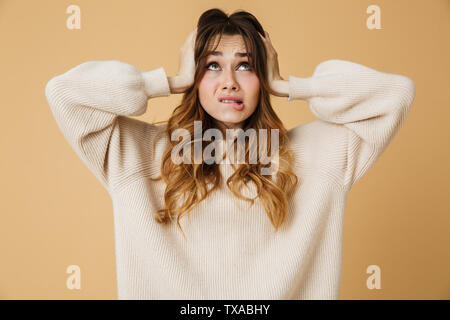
(234, 42)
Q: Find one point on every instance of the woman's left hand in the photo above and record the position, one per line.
(273, 70)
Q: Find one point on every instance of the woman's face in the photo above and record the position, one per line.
(228, 73)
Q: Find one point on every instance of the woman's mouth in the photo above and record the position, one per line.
(237, 105)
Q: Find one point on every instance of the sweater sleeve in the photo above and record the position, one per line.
(369, 106)
(91, 104)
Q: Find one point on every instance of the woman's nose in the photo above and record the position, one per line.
(229, 80)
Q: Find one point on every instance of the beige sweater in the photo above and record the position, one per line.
(232, 251)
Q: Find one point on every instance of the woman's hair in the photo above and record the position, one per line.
(187, 183)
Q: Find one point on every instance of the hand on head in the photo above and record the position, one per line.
(273, 70)
(186, 68)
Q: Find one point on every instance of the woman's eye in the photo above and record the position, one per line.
(245, 63)
(211, 64)
(215, 64)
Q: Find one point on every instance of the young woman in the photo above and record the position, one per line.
(247, 235)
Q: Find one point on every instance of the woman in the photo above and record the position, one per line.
(248, 235)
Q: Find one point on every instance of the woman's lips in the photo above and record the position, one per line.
(235, 105)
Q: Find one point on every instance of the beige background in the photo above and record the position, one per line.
(54, 213)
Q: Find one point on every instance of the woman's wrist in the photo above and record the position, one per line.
(280, 87)
(178, 84)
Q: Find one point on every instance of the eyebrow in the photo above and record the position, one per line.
(237, 54)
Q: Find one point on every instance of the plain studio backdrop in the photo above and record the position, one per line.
(54, 213)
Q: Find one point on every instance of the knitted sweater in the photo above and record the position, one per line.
(231, 250)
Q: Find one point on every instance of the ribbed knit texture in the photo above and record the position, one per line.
(232, 250)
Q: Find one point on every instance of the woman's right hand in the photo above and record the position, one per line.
(186, 70)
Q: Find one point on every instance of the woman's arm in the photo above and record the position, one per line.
(360, 111)
(370, 105)
(91, 104)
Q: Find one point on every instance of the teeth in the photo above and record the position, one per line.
(230, 101)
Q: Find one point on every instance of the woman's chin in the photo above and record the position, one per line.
(232, 122)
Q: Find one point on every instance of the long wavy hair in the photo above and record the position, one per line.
(187, 183)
